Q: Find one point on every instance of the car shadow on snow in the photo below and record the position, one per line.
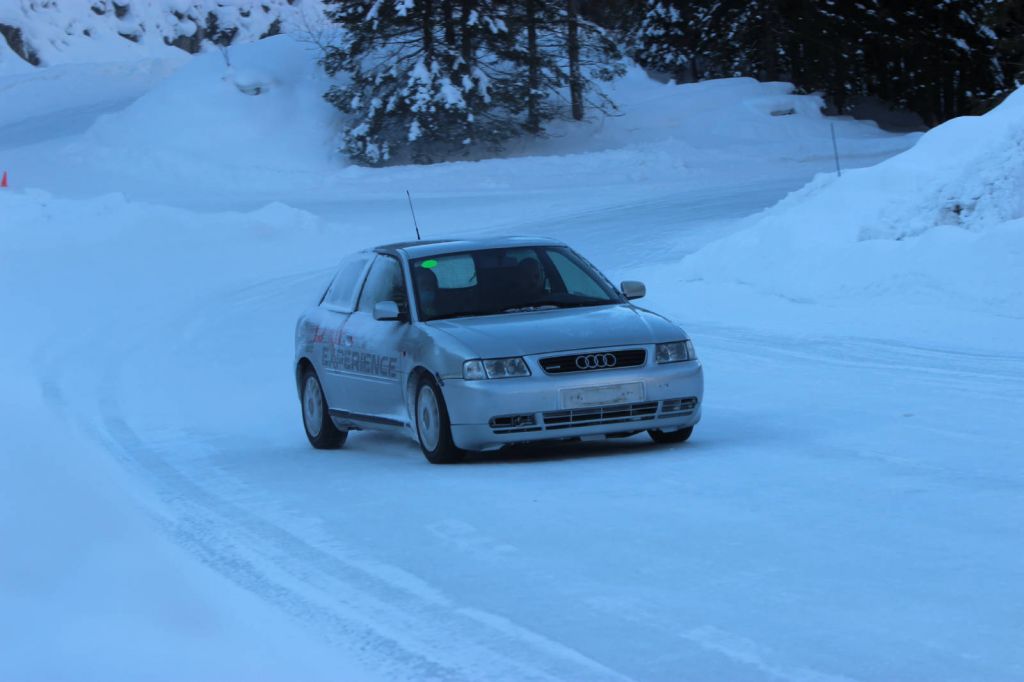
(546, 451)
(732, 432)
(375, 445)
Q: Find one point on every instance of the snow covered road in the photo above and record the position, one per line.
(823, 523)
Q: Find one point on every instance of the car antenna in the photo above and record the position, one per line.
(413, 211)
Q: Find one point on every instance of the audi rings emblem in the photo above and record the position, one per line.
(596, 361)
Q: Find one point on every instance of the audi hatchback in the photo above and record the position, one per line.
(472, 345)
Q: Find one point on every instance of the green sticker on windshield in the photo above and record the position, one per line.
(429, 263)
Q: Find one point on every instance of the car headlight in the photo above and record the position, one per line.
(676, 351)
(494, 368)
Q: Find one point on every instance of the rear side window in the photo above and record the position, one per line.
(345, 287)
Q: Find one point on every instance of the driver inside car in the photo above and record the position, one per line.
(426, 284)
(529, 280)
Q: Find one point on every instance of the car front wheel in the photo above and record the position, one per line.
(677, 436)
(433, 427)
(316, 418)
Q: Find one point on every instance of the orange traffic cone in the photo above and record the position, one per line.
(3, 180)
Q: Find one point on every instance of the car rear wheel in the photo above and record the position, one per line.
(432, 425)
(677, 436)
(316, 418)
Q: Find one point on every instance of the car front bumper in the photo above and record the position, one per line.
(487, 414)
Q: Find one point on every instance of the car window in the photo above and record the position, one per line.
(343, 290)
(506, 280)
(576, 280)
(383, 283)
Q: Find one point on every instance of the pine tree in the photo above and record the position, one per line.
(538, 53)
(617, 16)
(572, 37)
(424, 81)
(935, 58)
(667, 39)
(828, 49)
(1009, 25)
(950, 56)
(695, 39)
(1005, 19)
(431, 79)
(559, 49)
(594, 57)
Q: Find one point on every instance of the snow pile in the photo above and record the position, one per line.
(90, 588)
(43, 103)
(261, 110)
(91, 592)
(73, 31)
(942, 221)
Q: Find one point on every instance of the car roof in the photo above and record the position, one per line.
(437, 247)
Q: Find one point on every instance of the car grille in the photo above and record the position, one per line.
(586, 362)
(593, 416)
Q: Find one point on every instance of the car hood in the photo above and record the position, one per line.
(551, 331)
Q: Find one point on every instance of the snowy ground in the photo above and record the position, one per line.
(850, 507)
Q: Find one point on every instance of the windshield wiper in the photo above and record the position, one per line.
(448, 316)
(527, 308)
(531, 307)
(587, 303)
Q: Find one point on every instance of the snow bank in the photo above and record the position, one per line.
(263, 111)
(729, 115)
(95, 578)
(34, 101)
(944, 220)
(90, 591)
(261, 123)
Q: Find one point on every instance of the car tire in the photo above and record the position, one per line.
(316, 417)
(433, 428)
(664, 437)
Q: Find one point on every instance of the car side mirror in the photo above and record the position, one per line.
(386, 310)
(631, 289)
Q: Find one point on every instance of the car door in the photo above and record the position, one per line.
(337, 304)
(374, 362)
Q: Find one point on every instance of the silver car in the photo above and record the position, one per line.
(472, 345)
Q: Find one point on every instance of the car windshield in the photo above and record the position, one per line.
(507, 280)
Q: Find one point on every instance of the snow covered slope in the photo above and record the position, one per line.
(264, 111)
(941, 223)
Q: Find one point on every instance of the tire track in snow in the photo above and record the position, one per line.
(755, 655)
(952, 366)
(967, 377)
(406, 632)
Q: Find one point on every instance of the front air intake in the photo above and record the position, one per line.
(606, 414)
(600, 415)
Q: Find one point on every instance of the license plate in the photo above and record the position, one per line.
(592, 396)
